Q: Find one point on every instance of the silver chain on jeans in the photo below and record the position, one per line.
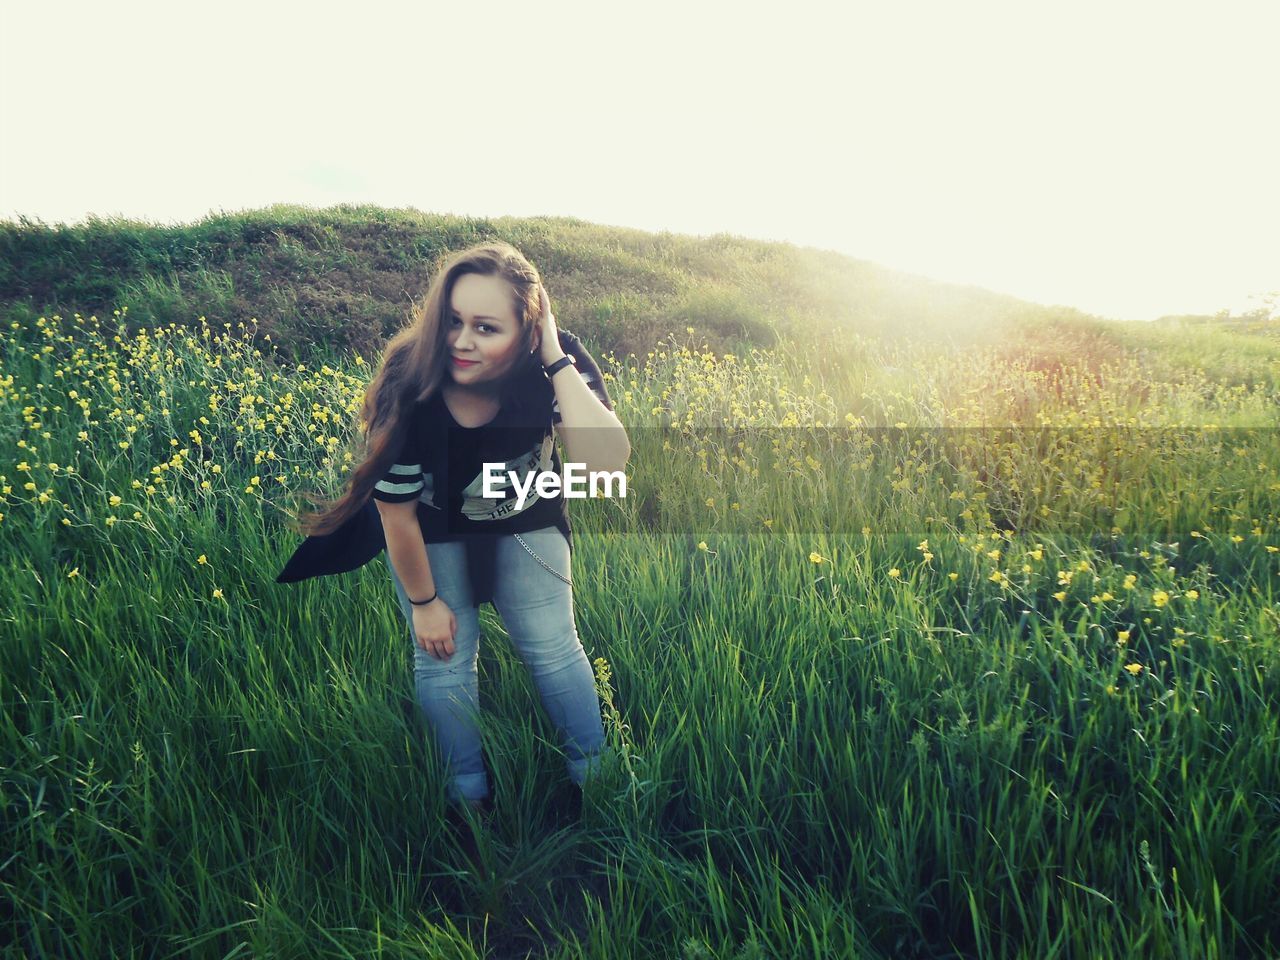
(540, 560)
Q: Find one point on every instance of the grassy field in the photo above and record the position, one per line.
(921, 646)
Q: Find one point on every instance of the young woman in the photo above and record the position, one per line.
(483, 375)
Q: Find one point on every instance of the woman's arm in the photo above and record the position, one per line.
(590, 432)
(406, 549)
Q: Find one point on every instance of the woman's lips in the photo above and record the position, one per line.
(464, 363)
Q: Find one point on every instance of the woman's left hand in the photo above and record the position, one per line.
(550, 348)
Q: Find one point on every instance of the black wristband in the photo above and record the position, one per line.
(564, 361)
(423, 603)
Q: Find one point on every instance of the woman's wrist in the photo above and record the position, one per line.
(423, 603)
(551, 369)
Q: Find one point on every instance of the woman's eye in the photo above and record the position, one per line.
(484, 326)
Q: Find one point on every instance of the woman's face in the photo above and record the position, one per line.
(482, 329)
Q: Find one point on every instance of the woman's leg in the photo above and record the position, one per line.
(448, 691)
(537, 610)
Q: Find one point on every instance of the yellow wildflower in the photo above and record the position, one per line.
(1134, 668)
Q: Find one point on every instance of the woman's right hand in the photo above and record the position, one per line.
(434, 626)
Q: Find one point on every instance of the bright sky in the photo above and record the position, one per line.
(1119, 157)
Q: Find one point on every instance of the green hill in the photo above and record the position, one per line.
(344, 277)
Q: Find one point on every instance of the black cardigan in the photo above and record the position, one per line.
(360, 539)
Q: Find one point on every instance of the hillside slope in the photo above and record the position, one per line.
(345, 277)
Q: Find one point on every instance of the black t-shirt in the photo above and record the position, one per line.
(438, 465)
(441, 463)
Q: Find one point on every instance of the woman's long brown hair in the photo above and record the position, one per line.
(413, 367)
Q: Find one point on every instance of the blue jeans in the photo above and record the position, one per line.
(537, 610)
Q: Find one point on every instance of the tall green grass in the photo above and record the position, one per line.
(973, 729)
